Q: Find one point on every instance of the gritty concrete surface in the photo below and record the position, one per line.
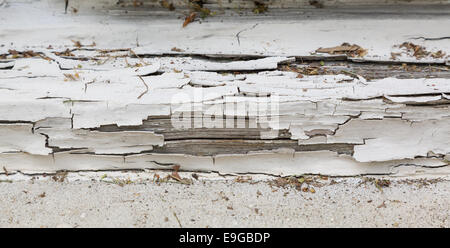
(132, 199)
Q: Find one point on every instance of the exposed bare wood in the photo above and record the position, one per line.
(278, 97)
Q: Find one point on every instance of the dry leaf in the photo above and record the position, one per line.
(174, 49)
(77, 43)
(316, 4)
(189, 19)
(260, 7)
(176, 176)
(137, 3)
(67, 52)
(437, 55)
(69, 77)
(420, 51)
(167, 5)
(345, 48)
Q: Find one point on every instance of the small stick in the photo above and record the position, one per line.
(176, 217)
(132, 52)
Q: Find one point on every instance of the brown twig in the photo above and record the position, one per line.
(141, 59)
(178, 220)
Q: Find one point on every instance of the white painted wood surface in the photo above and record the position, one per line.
(110, 109)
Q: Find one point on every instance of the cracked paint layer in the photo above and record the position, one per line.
(111, 105)
(383, 123)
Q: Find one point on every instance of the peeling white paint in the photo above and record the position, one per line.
(53, 108)
(279, 37)
(19, 138)
(393, 139)
(103, 142)
(283, 163)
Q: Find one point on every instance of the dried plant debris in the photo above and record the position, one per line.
(71, 77)
(313, 70)
(290, 68)
(190, 18)
(175, 49)
(243, 179)
(196, 10)
(78, 44)
(302, 183)
(379, 183)
(422, 182)
(417, 51)
(411, 68)
(117, 181)
(175, 174)
(197, 7)
(24, 54)
(346, 48)
(60, 176)
(157, 178)
(308, 69)
(14, 54)
(316, 3)
(177, 177)
(260, 7)
(137, 3)
(120, 182)
(395, 55)
(67, 53)
(382, 183)
(439, 54)
(168, 5)
(223, 196)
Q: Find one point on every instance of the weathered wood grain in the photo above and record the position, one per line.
(239, 96)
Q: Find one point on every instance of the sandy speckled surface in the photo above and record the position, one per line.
(86, 201)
